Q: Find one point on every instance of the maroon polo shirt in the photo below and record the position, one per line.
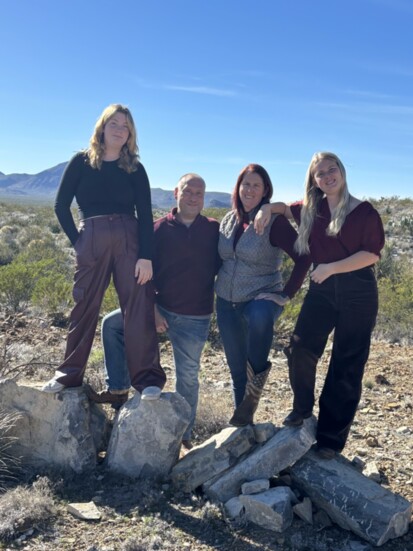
(185, 264)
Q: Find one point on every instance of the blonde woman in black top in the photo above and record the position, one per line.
(114, 239)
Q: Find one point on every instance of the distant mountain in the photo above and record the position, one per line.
(44, 186)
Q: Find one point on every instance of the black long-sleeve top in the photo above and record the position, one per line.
(110, 190)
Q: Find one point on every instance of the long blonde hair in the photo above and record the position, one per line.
(129, 154)
(312, 198)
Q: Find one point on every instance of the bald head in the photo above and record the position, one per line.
(189, 194)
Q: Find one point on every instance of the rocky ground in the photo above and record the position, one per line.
(139, 516)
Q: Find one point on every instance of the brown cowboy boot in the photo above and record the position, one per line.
(105, 397)
(244, 413)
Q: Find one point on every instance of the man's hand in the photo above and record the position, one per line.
(143, 271)
(160, 322)
(279, 299)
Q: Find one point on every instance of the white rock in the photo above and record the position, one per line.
(84, 511)
(62, 430)
(271, 509)
(146, 436)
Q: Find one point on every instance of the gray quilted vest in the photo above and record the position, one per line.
(254, 266)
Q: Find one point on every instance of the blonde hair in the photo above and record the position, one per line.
(312, 198)
(129, 154)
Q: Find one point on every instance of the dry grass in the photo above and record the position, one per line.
(24, 507)
(214, 410)
(8, 462)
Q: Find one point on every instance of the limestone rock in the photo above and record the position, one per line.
(255, 486)
(84, 511)
(234, 508)
(281, 451)
(271, 509)
(211, 458)
(304, 510)
(371, 470)
(352, 500)
(146, 436)
(264, 431)
(62, 430)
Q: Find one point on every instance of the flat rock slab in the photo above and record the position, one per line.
(352, 500)
(282, 450)
(146, 436)
(211, 458)
(271, 509)
(62, 430)
(84, 511)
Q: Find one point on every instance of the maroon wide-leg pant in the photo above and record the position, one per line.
(108, 246)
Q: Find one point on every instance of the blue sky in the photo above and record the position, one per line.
(214, 85)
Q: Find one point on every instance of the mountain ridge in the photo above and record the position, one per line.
(44, 186)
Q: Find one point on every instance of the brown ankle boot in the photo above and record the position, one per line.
(244, 413)
(105, 396)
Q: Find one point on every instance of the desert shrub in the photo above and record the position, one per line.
(16, 286)
(390, 266)
(24, 506)
(53, 294)
(8, 461)
(395, 317)
(6, 253)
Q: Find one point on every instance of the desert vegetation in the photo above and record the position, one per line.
(37, 262)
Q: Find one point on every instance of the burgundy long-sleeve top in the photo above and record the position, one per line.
(362, 231)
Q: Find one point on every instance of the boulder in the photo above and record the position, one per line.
(271, 509)
(212, 457)
(62, 430)
(147, 434)
(281, 451)
(351, 499)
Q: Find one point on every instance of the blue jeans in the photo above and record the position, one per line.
(187, 334)
(246, 330)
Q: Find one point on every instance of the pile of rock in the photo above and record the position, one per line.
(261, 474)
(254, 484)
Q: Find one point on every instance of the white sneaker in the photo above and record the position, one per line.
(151, 393)
(52, 386)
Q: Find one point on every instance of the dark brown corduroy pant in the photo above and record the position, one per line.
(108, 246)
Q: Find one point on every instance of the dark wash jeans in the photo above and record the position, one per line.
(246, 330)
(108, 246)
(348, 304)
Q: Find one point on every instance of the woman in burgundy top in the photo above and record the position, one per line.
(344, 237)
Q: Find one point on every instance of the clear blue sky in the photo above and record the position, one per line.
(214, 85)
